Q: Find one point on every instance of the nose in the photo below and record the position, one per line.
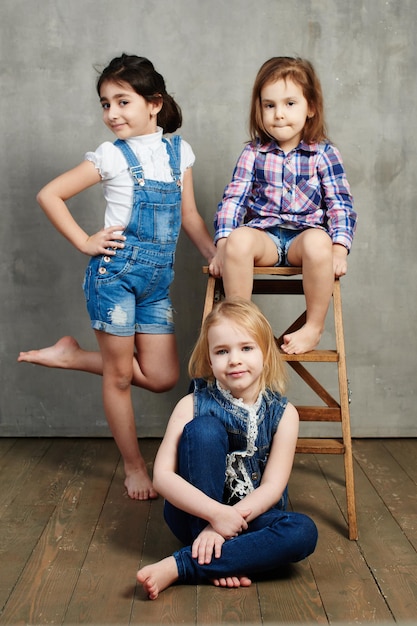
(112, 112)
(234, 357)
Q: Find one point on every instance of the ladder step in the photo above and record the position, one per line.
(315, 356)
(319, 413)
(319, 446)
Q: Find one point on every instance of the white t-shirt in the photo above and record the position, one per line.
(116, 179)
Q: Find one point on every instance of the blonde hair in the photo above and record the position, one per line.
(246, 314)
(302, 73)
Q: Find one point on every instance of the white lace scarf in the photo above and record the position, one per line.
(238, 480)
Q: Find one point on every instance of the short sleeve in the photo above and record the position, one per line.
(187, 156)
(107, 159)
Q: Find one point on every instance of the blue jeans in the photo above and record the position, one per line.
(272, 540)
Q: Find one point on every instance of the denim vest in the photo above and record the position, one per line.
(209, 400)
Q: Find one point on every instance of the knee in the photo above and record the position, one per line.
(240, 244)
(165, 381)
(317, 247)
(118, 380)
(307, 536)
(207, 432)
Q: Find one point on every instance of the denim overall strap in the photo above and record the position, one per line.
(173, 147)
(135, 167)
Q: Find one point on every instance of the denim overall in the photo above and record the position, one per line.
(128, 292)
(276, 537)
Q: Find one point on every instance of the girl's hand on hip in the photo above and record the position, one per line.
(106, 241)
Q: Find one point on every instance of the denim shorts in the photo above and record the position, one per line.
(129, 293)
(282, 238)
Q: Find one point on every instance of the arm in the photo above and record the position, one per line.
(278, 468)
(192, 222)
(232, 209)
(225, 520)
(340, 214)
(52, 198)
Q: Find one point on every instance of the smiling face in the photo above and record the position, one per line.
(236, 360)
(125, 112)
(284, 112)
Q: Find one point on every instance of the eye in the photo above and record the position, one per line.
(221, 351)
(123, 103)
(105, 105)
(247, 348)
(291, 103)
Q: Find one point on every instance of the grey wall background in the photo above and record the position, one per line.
(209, 52)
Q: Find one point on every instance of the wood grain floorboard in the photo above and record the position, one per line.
(71, 542)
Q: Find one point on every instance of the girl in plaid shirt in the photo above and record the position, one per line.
(289, 202)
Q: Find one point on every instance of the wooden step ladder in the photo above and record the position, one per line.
(288, 281)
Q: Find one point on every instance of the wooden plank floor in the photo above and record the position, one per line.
(71, 542)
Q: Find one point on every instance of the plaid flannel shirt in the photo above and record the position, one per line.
(302, 189)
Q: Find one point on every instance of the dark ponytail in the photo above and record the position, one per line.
(170, 116)
(141, 75)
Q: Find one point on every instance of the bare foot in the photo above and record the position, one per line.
(61, 354)
(232, 582)
(301, 341)
(139, 485)
(158, 576)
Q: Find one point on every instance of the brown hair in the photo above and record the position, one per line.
(301, 72)
(246, 314)
(141, 75)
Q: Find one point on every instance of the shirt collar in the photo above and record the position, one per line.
(151, 140)
(239, 401)
(272, 146)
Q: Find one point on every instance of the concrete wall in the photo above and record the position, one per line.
(209, 52)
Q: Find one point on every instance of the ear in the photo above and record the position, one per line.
(310, 113)
(156, 104)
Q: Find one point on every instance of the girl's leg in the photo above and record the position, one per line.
(154, 366)
(202, 454)
(203, 445)
(158, 576)
(273, 540)
(117, 375)
(312, 249)
(245, 248)
(68, 354)
(158, 370)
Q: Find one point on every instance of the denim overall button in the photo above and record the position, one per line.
(102, 270)
(254, 476)
(106, 259)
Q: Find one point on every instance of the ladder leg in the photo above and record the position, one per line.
(209, 301)
(344, 407)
